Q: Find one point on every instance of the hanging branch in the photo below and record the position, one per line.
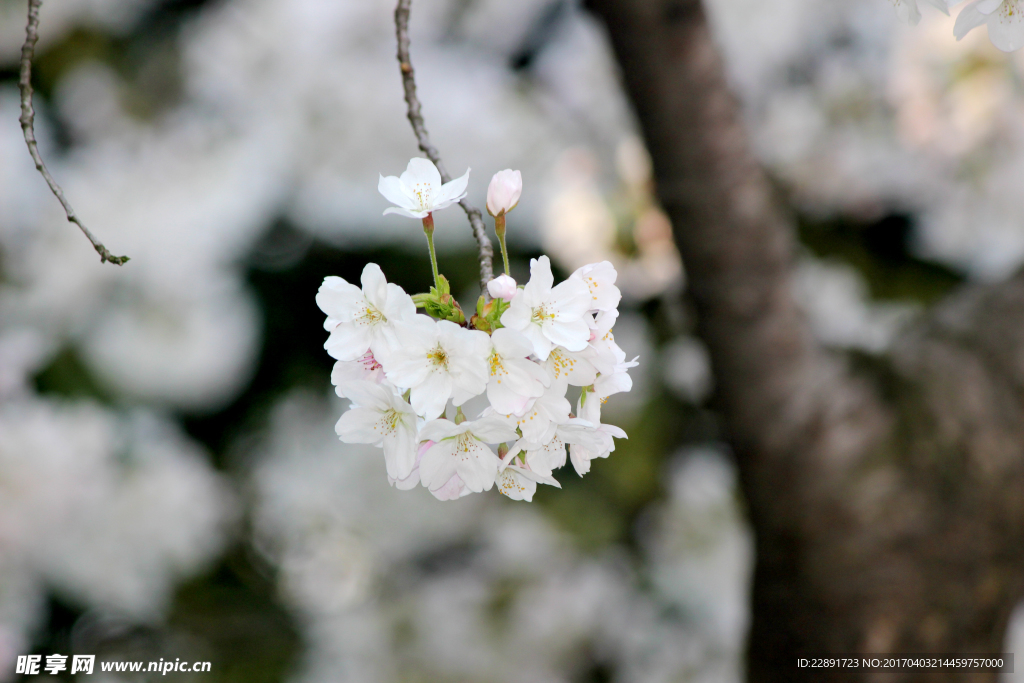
(27, 119)
(415, 116)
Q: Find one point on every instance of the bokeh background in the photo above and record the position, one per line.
(170, 481)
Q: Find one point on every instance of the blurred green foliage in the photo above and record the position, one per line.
(881, 250)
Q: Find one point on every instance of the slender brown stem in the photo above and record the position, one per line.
(415, 116)
(27, 119)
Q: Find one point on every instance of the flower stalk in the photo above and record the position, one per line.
(499, 229)
(503, 194)
(428, 230)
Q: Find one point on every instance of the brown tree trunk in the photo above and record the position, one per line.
(888, 508)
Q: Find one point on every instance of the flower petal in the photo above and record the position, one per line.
(617, 382)
(422, 176)
(513, 484)
(369, 395)
(357, 426)
(430, 396)
(600, 280)
(517, 316)
(940, 5)
(348, 341)
(396, 192)
(968, 19)
(572, 299)
(437, 465)
(493, 429)
(437, 430)
(505, 400)
(536, 290)
(375, 286)
(510, 343)
(406, 212)
(580, 458)
(572, 335)
(399, 304)
(338, 299)
(450, 192)
(400, 452)
(452, 489)
(907, 11)
(477, 465)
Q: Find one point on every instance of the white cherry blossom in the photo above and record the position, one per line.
(418, 191)
(605, 353)
(549, 315)
(520, 483)
(608, 358)
(381, 418)
(359, 320)
(538, 421)
(616, 381)
(400, 368)
(589, 409)
(514, 379)
(461, 450)
(365, 369)
(450, 490)
(568, 367)
(600, 280)
(545, 456)
(438, 360)
(1004, 18)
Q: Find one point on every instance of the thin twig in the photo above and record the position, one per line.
(27, 119)
(415, 115)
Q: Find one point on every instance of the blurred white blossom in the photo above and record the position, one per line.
(109, 511)
(835, 298)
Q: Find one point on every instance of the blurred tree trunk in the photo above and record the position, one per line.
(888, 506)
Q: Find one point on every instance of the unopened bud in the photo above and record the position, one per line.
(504, 191)
(502, 287)
(502, 450)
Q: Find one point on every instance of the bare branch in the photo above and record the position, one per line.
(415, 116)
(27, 119)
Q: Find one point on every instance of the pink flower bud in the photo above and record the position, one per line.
(502, 287)
(503, 192)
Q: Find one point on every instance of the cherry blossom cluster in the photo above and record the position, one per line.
(1004, 19)
(405, 372)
